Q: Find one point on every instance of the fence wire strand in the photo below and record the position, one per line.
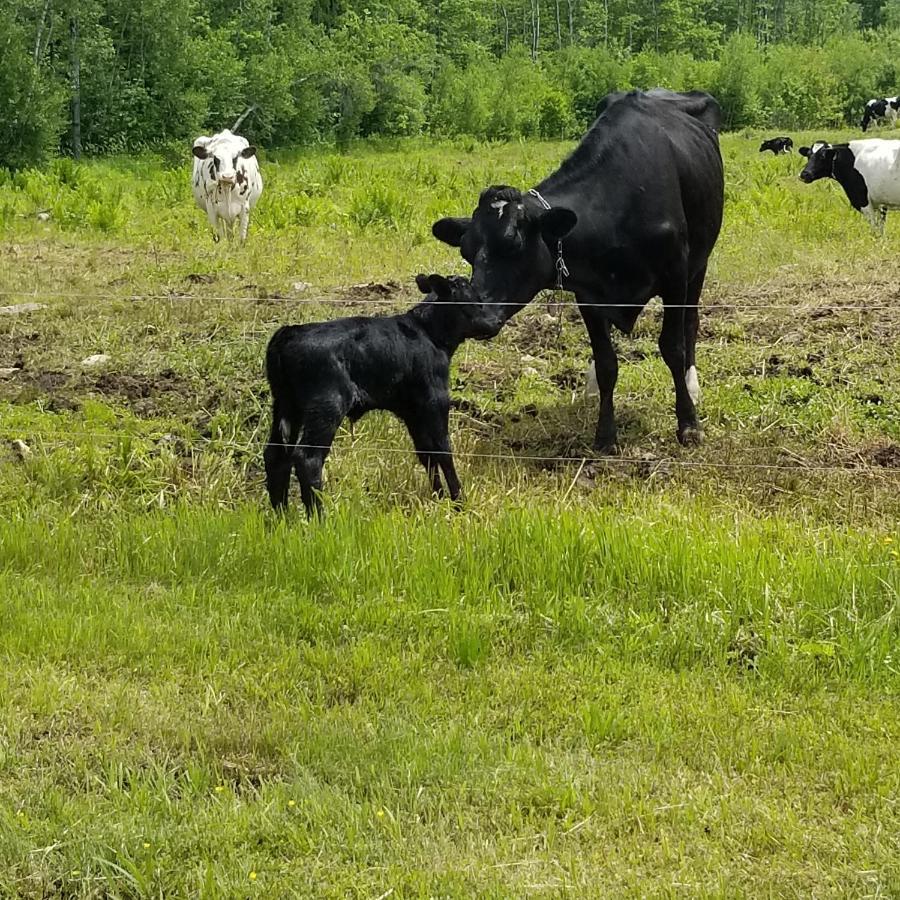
(46, 439)
(554, 300)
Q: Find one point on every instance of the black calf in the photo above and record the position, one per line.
(322, 372)
(777, 145)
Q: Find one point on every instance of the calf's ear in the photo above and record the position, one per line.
(423, 284)
(451, 230)
(804, 151)
(247, 152)
(199, 152)
(440, 286)
(556, 223)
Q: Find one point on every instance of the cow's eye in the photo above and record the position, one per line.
(216, 161)
(235, 161)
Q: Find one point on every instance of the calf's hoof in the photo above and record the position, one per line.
(692, 436)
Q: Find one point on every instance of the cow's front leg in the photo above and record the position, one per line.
(606, 370)
(214, 223)
(245, 223)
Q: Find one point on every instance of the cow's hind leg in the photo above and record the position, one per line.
(691, 327)
(606, 371)
(672, 346)
(278, 458)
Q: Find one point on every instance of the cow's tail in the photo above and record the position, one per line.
(285, 421)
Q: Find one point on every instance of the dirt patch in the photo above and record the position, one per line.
(136, 387)
(887, 456)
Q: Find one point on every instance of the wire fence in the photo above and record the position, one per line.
(551, 298)
(800, 466)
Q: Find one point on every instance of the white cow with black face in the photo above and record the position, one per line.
(868, 170)
(226, 181)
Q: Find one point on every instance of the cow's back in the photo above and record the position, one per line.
(697, 104)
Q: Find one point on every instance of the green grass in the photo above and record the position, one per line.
(637, 678)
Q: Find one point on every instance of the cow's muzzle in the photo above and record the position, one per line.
(806, 177)
(226, 179)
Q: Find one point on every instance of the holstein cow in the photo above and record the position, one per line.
(632, 213)
(777, 145)
(226, 181)
(868, 171)
(883, 109)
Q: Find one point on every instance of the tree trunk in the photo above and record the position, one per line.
(558, 28)
(571, 24)
(535, 28)
(504, 12)
(40, 33)
(75, 58)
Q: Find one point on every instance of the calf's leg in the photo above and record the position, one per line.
(310, 454)
(278, 459)
(429, 429)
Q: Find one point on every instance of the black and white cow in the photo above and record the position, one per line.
(226, 181)
(777, 145)
(868, 171)
(631, 214)
(880, 110)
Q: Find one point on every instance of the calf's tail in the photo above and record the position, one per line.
(285, 424)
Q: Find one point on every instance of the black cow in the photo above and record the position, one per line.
(882, 109)
(777, 145)
(323, 372)
(633, 213)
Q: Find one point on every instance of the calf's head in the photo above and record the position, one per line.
(510, 241)
(467, 315)
(820, 161)
(224, 161)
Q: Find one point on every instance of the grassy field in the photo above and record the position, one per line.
(671, 674)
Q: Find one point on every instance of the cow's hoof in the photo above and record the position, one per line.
(607, 448)
(690, 436)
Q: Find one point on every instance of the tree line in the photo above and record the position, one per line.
(102, 76)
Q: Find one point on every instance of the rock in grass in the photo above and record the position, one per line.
(22, 450)
(21, 308)
(98, 359)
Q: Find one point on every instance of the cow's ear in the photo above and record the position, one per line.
(440, 286)
(247, 152)
(451, 230)
(556, 223)
(804, 151)
(199, 151)
(423, 284)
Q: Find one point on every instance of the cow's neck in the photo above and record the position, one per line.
(844, 172)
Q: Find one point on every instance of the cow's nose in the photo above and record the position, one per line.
(226, 179)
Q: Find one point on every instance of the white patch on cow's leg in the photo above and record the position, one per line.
(285, 427)
(693, 384)
(591, 388)
(245, 222)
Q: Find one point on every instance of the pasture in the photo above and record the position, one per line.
(673, 673)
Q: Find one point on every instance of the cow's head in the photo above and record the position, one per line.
(511, 243)
(820, 161)
(224, 161)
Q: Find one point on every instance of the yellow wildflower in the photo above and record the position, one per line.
(292, 802)
(220, 788)
(253, 876)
